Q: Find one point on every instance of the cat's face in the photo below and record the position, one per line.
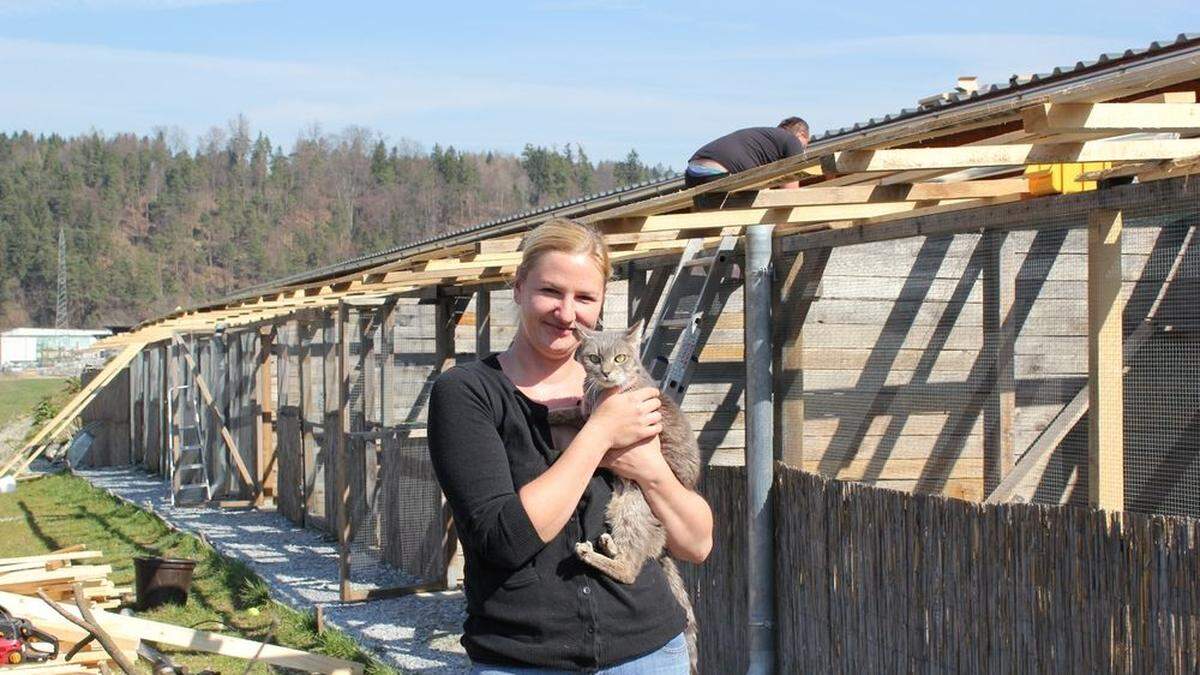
(610, 357)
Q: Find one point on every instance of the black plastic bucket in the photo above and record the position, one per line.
(159, 580)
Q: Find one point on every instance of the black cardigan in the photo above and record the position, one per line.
(530, 603)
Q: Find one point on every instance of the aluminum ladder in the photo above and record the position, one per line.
(687, 314)
(187, 460)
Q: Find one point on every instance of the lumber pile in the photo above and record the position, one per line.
(82, 592)
(56, 574)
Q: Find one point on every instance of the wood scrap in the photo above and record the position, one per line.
(35, 593)
(129, 627)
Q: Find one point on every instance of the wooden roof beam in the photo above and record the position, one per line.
(854, 161)
(863, 194)
(1066, 118)
(779, 216)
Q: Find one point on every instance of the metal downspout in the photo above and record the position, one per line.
(759, 451)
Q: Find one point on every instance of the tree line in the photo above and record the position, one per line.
(151, 224)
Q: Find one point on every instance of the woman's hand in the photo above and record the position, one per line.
(627, 418)
(641, 462)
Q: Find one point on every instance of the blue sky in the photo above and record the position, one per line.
(663, 77)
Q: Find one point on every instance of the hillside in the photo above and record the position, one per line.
(151, 224)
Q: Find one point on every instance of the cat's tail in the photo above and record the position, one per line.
(679, 590)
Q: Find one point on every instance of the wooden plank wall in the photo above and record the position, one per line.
(289, 449)
(110, 411)
(895, 370)
(155, 410)
(874, 580)
(718, 587)
(137, 409)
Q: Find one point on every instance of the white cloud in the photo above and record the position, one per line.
(46, 6)
(115, 89)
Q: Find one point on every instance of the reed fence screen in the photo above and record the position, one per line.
(877, 580)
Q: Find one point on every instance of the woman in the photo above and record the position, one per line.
(520, 506)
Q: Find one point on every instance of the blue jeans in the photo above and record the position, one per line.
(670, 659)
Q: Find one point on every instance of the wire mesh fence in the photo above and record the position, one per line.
(948, 364)
(397, 523)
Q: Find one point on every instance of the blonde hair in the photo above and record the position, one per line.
(562, 235)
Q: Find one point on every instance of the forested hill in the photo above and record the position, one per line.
(151, 224)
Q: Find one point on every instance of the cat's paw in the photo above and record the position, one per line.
(607, 545)
(584, 549)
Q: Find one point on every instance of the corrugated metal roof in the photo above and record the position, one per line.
(1017, 82)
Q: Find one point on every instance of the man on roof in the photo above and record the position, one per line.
(745, 149)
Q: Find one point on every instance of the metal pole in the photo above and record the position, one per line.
(760, 450)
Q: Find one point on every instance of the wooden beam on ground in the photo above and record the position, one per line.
(1065, 118)
(132, 628)
(862, 194)
(999, 410)
(1017, 154)
(1106, 435)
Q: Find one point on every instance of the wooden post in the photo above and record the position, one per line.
(266, 469)
(340, 455)
(483, 323)
(999, 288)
(445, 322)
(134, 375)
(792, 299)
(305, 336)
(1106, 428)
(173, 435)
(635, 289)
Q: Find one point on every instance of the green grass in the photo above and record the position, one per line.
(62, 510)
(19, 395)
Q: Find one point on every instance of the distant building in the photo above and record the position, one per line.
(27, 347)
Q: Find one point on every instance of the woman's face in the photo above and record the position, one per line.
(558, 291)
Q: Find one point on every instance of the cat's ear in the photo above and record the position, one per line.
(634, 333)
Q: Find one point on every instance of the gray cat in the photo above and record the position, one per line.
(610, 359)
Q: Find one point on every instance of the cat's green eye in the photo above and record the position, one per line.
(619, 358)
(594, 358)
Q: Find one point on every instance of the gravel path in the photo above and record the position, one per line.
(416, 633)
(12, 434)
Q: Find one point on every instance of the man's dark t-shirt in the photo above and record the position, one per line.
(747, 148)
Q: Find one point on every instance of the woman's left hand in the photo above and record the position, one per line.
(641, 462)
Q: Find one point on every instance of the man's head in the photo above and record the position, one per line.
(798, 127)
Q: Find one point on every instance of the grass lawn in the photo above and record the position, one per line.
(18, 395)
(62, 510)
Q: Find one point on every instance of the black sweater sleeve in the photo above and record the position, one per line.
(472, 467)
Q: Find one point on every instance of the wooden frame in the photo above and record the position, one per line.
(1106, 435)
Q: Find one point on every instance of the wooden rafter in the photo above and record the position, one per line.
(1111, 117)
(862, 194)
(1017, 154)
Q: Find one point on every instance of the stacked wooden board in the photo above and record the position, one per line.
(56, 576)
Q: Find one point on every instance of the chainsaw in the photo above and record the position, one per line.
(22, 642)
